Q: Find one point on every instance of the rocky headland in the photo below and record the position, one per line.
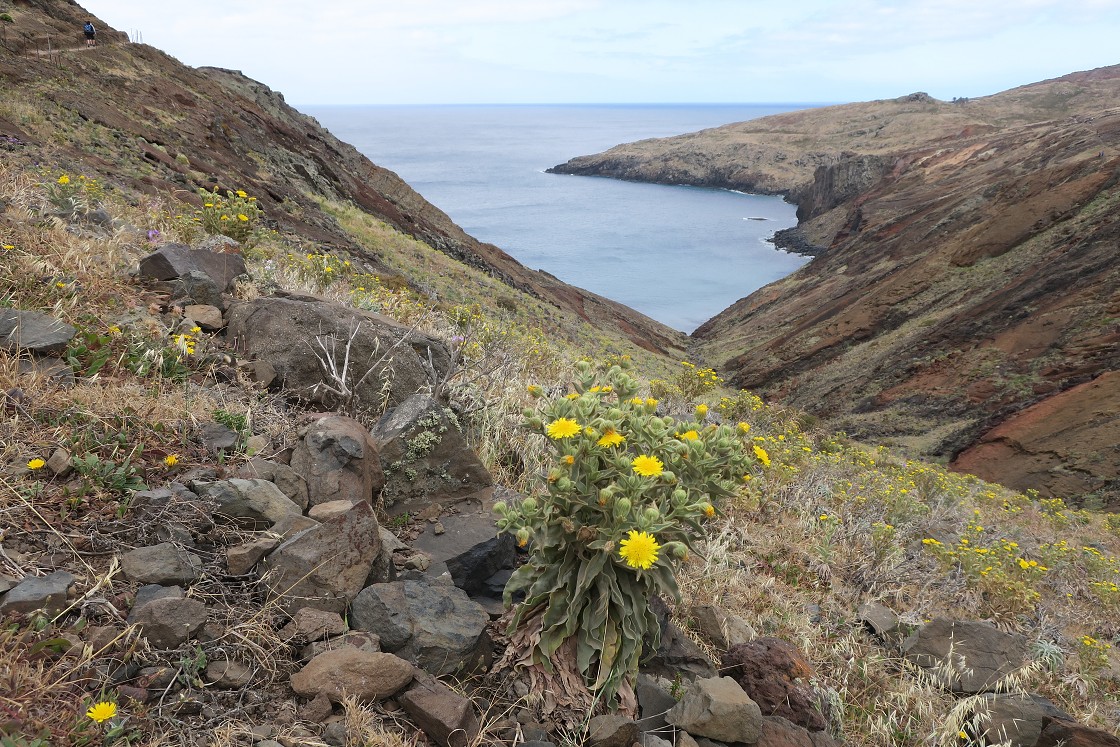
(964, 300)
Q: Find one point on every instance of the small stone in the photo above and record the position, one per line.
(310, 624)
(34, 332)
(209, 318)
(329, 510)
(167, 623)
(611, 730)
(721, 627)
(256, 444)
(59, 463)
(438, 528)
(240, 559)
(445, 716)
(880, 620)
(229, 675)
(217, 437)
(367, 676)
(317, 709)
(163, 564)
(358, 639)
(151, 592)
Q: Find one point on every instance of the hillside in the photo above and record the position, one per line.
(964, 300)
(207, 127)
(270, 458)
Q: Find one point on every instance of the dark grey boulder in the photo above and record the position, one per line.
(165, 564)
(38, 593)
(173, 261)
(289, 332)
(1015, 720)
(470, 549)
(966, 656)
(33, 332)
(168, 623)
(249, 504)
(435, 626)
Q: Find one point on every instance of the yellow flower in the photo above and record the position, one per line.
(209, 204)
(9, 246)
(224, 217)
(647, 466)
(102, 711)
(243, 218)
(709, 510)
(688, 436)
(568, 459)
(701, 411)
(572, 395)
(171, 460)
(651, 402)
(637, 401)
(534, 390)
(242, 194)
(35, 464)
(762, 455)
(744, 427)
(64, 179)
(114, 330)
(563, 428)
(60, 284)
(611, 437)
(639, 550)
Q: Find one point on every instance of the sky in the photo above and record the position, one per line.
(628, 51)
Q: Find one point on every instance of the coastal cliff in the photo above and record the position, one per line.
(965, 302)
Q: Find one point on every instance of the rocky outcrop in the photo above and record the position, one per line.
(336, 355)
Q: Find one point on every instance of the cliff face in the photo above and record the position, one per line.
(965, 302)
(136, 117)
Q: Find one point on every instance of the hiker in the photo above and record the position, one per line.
(91, 33)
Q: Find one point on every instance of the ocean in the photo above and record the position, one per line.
(677, 254)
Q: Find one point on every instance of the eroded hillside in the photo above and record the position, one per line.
(965, 301)
(137, 118)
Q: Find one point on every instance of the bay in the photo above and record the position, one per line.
(675, 253)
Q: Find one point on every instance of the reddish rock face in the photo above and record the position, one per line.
(775, 675)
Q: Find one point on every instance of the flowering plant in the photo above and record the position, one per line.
(619, 509)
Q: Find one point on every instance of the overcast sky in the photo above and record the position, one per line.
(628, 51)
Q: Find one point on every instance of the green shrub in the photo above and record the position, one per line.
(617, 513)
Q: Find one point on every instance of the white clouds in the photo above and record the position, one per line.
(339, 51)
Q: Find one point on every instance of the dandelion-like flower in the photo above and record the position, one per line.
(242, 194)
(64, 179)
(9, 247)
(243, 218)
(647, 466)
(170, 460)
(563, 428)
(102, 711)
(35, 464)
(611, 437)
(701, 411)
(744, 427)
(709, 510)
(639, 550)
(688, 436)
(568, 459)
(762, 455)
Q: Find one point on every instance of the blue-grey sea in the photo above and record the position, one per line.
(678, 254)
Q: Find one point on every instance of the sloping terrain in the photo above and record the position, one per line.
(203, 128)
(967, 272)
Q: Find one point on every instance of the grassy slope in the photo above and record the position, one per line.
(829, 524)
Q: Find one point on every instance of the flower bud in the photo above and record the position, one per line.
(678, 550)
(522, 537)
(501, 508)
(652, 515)
(528, 413)
(534, 423)
(680, 497)
(529, 506)
(622, 508)
(563, 485)
(583, 366)
(669, 478)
